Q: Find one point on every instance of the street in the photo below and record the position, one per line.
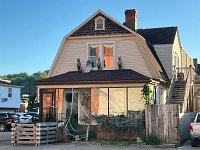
(6, 145)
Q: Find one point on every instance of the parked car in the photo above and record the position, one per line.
(6, 119)
(195, 130)
(24, 118)
(35, 116)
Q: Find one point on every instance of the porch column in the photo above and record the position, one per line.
(41, 104)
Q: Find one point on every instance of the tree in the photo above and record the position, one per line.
(147, 94)
(31, 102)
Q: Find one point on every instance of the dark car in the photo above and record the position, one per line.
(6, 119)
(35, 116)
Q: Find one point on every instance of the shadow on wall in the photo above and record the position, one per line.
(185, 120)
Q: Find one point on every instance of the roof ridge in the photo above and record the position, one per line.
(158, 28)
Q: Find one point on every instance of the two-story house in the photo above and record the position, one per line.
(102, 66)
(9, 97)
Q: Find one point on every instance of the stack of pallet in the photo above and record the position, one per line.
(39, 133)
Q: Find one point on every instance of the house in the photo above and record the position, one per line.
(102, 66)
(9, 97)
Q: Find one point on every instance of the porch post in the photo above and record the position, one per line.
(108, 101)
(41, 105)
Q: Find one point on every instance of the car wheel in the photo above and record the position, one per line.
(2, 127)
(194, 143)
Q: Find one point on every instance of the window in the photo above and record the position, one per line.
(106, 53)
(116, 101)
(99, 101)
(93, 54)
(9, 92)
(99, 23)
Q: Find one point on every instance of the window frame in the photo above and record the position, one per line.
(101, 53)
(96, 21)
(10, 91)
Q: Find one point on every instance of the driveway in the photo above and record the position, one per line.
(5, 136)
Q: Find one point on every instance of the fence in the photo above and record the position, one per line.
(39, 133)
(167, 123)
(163, 121)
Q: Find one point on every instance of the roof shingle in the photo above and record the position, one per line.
(103, 76)
(163, 35)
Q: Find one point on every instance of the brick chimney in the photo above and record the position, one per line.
(131, 19)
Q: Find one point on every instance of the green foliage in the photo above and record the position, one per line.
(31, 102)
(152, 140)
(119, 124)
(147, 94)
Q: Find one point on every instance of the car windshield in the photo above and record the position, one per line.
(13, 116)
(27, 115)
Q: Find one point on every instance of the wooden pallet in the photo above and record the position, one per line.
(39, 133)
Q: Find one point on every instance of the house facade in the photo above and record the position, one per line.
(102, 66)
(9, 97)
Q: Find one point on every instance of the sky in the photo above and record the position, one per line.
(31, 31)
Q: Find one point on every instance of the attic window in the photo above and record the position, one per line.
(99, 23)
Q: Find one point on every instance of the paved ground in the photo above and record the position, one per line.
(4, 136)
(5, 145)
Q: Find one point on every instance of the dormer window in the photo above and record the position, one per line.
(99, 23)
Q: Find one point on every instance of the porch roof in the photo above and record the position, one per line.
(97, 77)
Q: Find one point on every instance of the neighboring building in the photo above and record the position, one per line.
(120, 60)
(9, 97)
(23, 105)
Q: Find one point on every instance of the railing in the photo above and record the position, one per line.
(171, 88)
(188, 85)
(57, 117)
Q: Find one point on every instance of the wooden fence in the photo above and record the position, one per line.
(39, 133)
(163, 121)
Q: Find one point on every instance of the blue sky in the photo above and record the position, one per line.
(31, 30)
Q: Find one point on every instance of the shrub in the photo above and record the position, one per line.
(152, 140)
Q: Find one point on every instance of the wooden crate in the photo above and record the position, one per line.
(39, 133)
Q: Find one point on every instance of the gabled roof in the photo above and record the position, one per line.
(97, 77)
(163, 73)
(8, 84)
(5, 83)
(164, 35)
(87, 28)
(111, 27)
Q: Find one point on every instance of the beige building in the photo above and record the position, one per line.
(102, 66)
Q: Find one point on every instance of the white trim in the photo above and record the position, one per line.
(103, 19)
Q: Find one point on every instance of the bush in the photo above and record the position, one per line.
(152, 140)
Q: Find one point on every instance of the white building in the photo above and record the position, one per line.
(9, 97)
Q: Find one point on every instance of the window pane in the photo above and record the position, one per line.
(93, 61)
(108, 55)
(135, 102)
(99, 101)
(93, 54)
(117, 101)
